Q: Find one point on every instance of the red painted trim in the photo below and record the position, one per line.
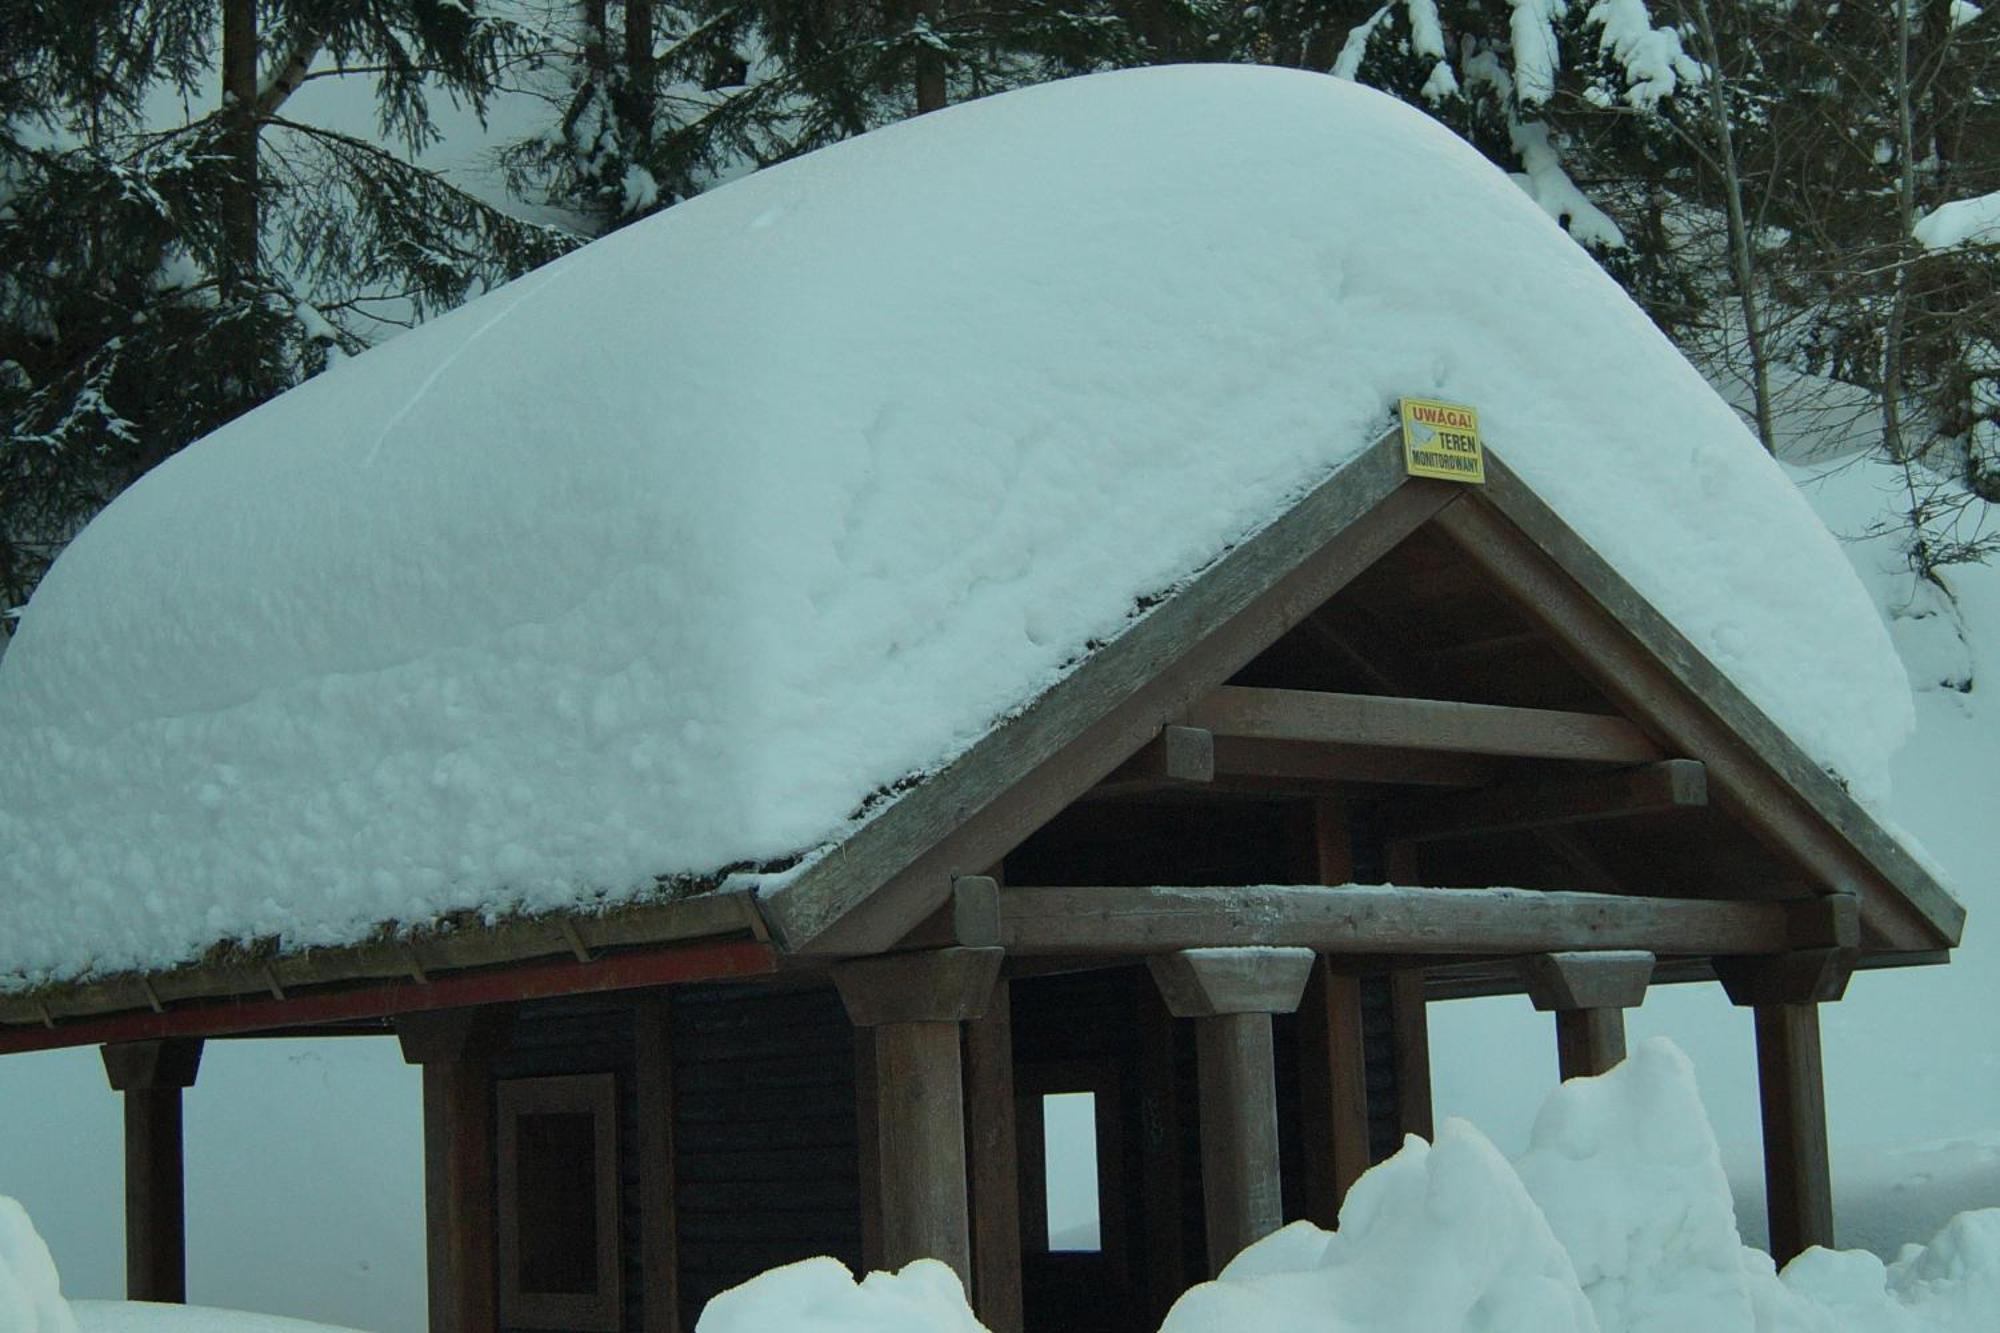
(708, 961)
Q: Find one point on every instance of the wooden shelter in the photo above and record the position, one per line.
(1414, 741)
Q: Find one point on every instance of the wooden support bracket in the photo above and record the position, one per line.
(939, 986)
(1202, 983)
(1610, 979)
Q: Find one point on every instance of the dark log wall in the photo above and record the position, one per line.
(765, 1162)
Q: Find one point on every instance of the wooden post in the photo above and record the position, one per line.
(151, 1075)
(1333, 1065)
(912, 1005)
(995, 1164)
(1785, 992)
(1589, 994)
(1231, 994)
(455, 1047)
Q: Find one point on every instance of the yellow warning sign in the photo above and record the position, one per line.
(1442, 440)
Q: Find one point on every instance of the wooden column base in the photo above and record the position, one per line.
(920, 1146)
(1239, 1133)
(151, 1075)
(1798, 1188)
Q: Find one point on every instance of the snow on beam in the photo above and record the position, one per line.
(1387, 919)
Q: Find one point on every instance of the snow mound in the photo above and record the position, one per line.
(1438, 1239)
(1974, 221)
(31, 1298)
(668, 556)
(822, 1296)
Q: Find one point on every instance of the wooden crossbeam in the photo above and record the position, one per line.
(1420, 724)
(1384, 919)
(1672, 784)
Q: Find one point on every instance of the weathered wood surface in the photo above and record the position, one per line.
(995, 1165)
(1313, 717)
(919, 1145)
(1383, 919)
(1589, 1041)
(1241, 1192)
(151, 1076)
(1803, 976)
(1608, 979)
(897, 868)
(1648, 668)
(1248, 762)
(1183, 755)
(969, 918)
(1798, 1187)
(1202, 983)
(1651, 789)
(938, 985)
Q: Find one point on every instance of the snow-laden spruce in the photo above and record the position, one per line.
(666, 557)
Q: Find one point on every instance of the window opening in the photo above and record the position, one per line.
(1070, 1173)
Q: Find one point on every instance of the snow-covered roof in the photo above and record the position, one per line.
(667, 557)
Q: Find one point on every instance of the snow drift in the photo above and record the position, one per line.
(1616, 1220)
(668, 556)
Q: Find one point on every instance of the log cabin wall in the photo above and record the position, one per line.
(765, 1163)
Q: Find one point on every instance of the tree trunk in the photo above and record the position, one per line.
(240, 226)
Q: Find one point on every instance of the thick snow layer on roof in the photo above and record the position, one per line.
(667, 556)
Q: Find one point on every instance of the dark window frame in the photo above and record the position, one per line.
(594, 1095)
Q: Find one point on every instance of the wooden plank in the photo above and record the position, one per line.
(1756, 773)
(901, 862)
(1413, 1053)
(1589, 1041)
(1381, 919)
(1314, 717)
(995, 1164)
(919, 1136)
(1241, 1194)
(1798, 1189)
(1670, 785)
(659, 1229)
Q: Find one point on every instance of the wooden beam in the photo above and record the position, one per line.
(1670, 785)
(1308, 716)
(1248, 762)
(1384, 919)
(1176, 755)
(1644, 665)
(897, 867)
(937, 986)
(151, 1075)
(995, 1164)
